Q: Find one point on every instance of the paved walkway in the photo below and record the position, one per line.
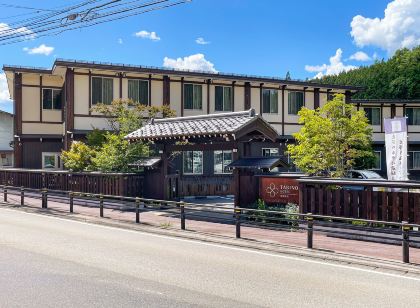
(165, 219)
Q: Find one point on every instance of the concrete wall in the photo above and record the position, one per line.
(6, 136)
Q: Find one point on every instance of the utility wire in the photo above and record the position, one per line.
(68, 19)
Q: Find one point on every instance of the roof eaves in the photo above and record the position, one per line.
(26, 69)
(168, 71)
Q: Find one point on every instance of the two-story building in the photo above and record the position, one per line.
(53, 106)
(378, 109)
(6, 138)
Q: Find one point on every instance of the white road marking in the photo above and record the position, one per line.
(221, 246)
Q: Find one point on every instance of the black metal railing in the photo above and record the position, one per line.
(239, 217)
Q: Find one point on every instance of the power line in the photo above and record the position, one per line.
(81, 16)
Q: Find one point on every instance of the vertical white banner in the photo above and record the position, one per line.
(396, 148)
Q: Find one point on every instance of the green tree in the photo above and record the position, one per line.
(79, 157)
(332, 139)
(108, 151)
(396, 78)
(96, 138)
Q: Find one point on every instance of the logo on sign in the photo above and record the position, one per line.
(272, 190)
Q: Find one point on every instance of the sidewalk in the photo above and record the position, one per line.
(171, 221)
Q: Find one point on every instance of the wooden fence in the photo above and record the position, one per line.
(117, 184)
(375, 200)
(218, 185)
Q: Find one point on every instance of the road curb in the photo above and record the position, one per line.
(381, 265)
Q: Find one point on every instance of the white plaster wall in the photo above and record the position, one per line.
(239, 98)
(88, 123)
(6, 131)
(42, 128)
(81, 94)
(30, 104)
(175, 102)
(157, 93)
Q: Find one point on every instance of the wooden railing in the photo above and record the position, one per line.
(365, 199)
(217, 185)
(118, 184)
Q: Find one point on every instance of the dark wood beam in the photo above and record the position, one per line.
(166, 90)
(316, 98)
(247, 92)
(18, 120)
(283, 108)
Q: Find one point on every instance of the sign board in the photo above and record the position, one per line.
(279, 190)
(396, 148)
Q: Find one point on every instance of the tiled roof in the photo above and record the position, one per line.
(268, 162)
(205, 125)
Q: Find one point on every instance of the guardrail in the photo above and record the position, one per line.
(238, 216)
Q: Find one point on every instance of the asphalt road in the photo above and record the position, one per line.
(50, 262)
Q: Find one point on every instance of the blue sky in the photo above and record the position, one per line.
(261, 37)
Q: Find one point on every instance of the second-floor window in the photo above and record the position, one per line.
(270, 101)
(223, 99)
(373, 114)
(102, 90)
(193, 97)
(296, 102)
(138, 91)
(413, 115)
(51, 99)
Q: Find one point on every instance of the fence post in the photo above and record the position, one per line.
(310, 230)
(44, 199)
(238, 223)
(5, 194)
(182, 208)
(22, 196)
(101, 206)
(71, 197)
(405, 242)
(137, 210)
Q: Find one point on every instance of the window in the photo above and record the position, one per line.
(296, 102)
(270, 152)
(51, 99)
(270, 101)
(102, 90)
(138, 91)
(221, 160)
(223, 99)
(50, 160)
(373, 114)
(5, 160)
(193, 98)
(377, 165)
(193, 162)
(414, 160)
(413, 115)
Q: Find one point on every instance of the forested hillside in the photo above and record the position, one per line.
(398, 77)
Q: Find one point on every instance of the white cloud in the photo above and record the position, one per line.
(201, 41)
(147, 35)
(335, 66)
(120, 41)
(4, 90)
(195, 62)
(6, 30)
(40, 50)
(400, 27)
(360, 56)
